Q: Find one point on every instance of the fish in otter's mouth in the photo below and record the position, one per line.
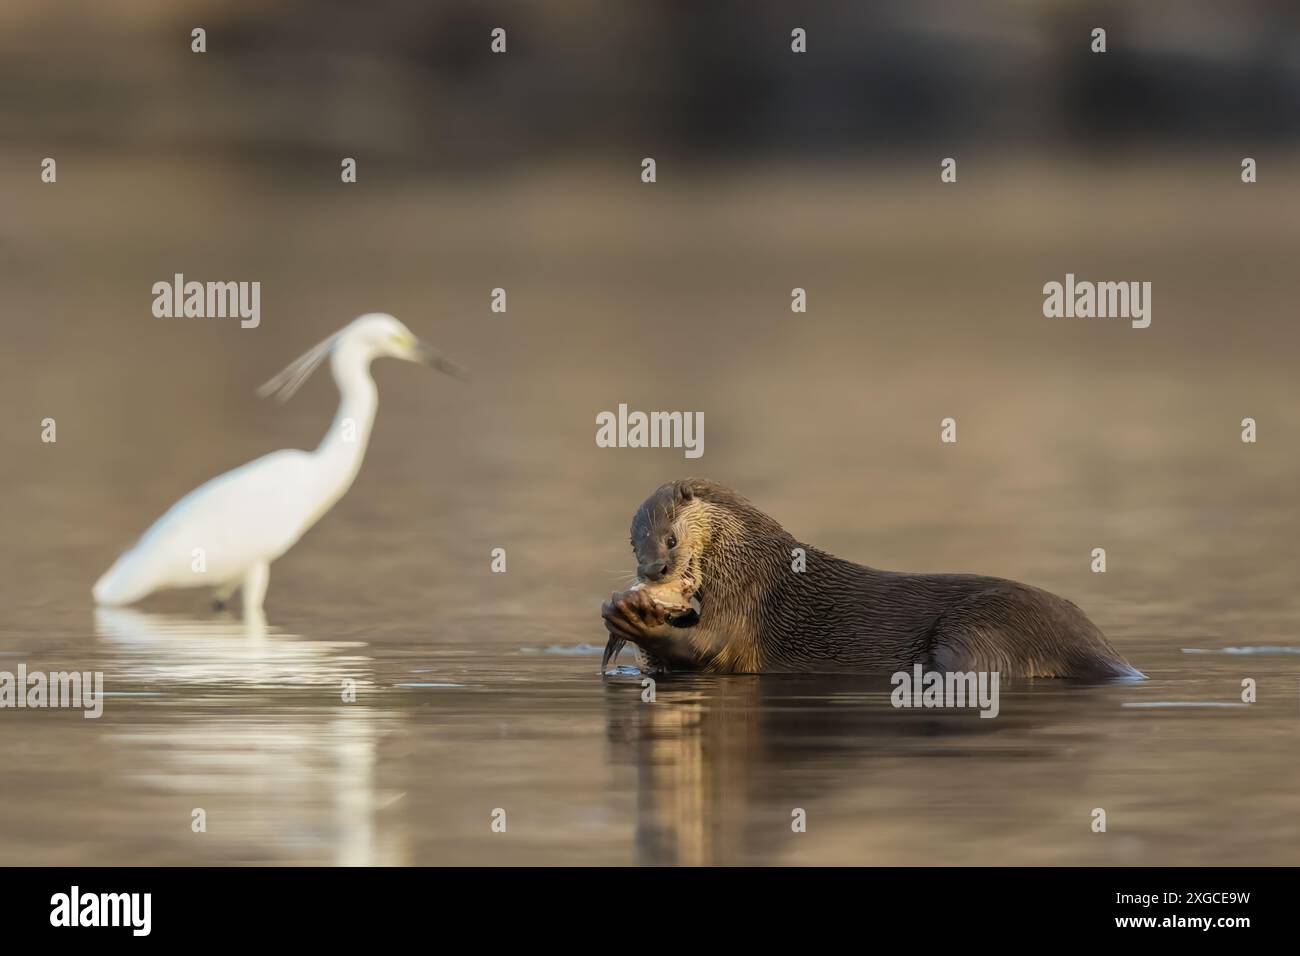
(681, 600)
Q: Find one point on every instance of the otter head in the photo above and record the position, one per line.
(669, 531)
(692, 536)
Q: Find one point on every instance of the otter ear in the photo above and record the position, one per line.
(688, 488)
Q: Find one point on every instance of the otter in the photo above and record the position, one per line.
(717, 592)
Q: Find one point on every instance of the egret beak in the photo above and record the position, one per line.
(435, 359)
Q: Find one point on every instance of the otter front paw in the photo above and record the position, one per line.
(635, 616)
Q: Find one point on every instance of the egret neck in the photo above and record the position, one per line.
(344, 445)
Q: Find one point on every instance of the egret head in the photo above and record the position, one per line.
(385, 337)
(374, 335)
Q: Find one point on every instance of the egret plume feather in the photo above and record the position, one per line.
(287, 382)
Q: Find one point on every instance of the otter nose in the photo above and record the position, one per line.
(654, 571)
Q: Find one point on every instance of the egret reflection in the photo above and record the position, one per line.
(252, 726)
(171, 649)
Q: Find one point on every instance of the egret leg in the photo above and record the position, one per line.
(255, 583)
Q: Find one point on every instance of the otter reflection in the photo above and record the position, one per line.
(722, 763)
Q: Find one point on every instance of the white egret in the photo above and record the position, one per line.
(225, 533)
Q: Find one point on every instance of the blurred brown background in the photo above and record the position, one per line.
(776, 170)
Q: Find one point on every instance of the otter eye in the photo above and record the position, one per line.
(672, 541)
